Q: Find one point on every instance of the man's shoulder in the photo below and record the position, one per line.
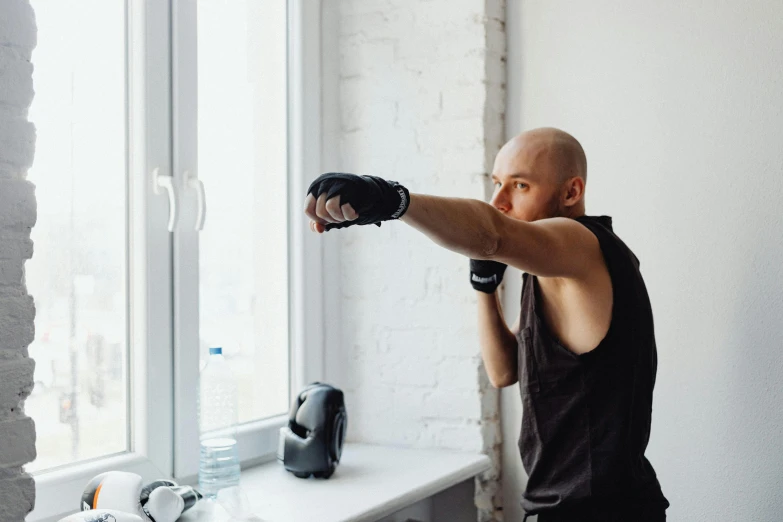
(612, 246)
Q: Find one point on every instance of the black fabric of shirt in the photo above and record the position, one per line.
(586, 418)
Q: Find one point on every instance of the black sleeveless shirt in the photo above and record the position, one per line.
(586, 418)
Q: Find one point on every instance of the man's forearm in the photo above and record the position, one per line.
(498, 343)
(465, 226)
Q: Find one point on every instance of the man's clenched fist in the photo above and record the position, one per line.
(337, 200)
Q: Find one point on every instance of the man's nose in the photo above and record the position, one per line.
(500, 201)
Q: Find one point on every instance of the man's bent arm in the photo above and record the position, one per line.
(498, 343)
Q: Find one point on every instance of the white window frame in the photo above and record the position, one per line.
(257, 441)
(162, 135)
(307, 289)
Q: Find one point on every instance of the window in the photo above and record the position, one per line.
(242, 159)
(166, 164)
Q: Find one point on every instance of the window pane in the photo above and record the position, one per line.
(242, 160)
(78, 272)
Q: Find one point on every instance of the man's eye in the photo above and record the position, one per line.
(497, 184)
(521, 185)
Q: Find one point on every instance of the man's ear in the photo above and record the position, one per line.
(574, 191)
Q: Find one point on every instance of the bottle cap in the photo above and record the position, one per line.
(216, 351)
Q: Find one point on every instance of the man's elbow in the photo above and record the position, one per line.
(491, 235)
(503, 380)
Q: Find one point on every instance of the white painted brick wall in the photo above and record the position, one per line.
(422, 98)
(17, 217)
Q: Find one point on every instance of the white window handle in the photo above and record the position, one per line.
(161, 182)
(195, 183)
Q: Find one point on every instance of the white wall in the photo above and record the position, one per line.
(17, 216)
(414, 92)
(679, 106)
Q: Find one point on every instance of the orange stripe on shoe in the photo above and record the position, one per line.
(95, 498)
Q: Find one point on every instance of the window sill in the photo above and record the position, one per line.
(371, 482)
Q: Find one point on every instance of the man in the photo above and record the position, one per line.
(583, 349)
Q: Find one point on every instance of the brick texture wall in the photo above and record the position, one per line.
(17, 217)
(421, 90)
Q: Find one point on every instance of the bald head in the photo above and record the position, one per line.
(540, 174)
(554, 148)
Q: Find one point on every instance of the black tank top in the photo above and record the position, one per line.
(586, 418)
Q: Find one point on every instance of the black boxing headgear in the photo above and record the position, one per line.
(312, 443)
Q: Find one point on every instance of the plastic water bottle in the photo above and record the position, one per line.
(219, 462)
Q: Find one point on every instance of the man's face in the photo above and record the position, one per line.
(526, 182)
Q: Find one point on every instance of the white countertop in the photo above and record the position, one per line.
(370, 483)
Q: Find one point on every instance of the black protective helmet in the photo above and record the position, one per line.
(312, 443)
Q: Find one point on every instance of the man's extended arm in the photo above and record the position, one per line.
(556, 247)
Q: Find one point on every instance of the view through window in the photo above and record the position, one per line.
(78, 273)
(242, 161)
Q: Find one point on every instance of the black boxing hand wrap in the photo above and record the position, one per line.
(374, 199)
(486, 276)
